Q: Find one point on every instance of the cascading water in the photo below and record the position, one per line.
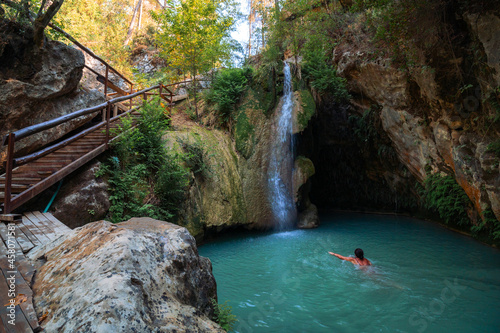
(282, 159)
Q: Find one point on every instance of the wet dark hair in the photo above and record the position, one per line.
(359, 253)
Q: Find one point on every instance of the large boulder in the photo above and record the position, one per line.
(82, 189)
(142, 275)
(39, 85)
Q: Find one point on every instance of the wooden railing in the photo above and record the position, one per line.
(10, 140)
(108, 68)
(110, 114)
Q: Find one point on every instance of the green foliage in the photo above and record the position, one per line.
(490, 220)
(243, 134)
(194, 34)
(223, 316)
(308, 109)
(196, 155)
(128, 191)
(401, 27)
(363, 126)
(264, 87)
(227, 89)
(171, 181)
(494, 147)
(100, 25)
(443, 195)
(324, 77)
(144, 178)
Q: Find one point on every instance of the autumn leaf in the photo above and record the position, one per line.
(43, 317)
(21, 298)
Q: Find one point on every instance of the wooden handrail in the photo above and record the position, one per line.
(10, 139)
(30, 130)
(92, 54)
(28, 158)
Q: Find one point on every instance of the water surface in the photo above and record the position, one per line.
(424, 279)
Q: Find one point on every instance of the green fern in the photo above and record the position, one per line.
(443, 195)
(223, 316)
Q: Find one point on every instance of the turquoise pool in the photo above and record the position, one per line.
(424, 278)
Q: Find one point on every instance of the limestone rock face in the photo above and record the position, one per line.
(308, 219)
(486, 27)
(39, 86)
(230, 192)
(142, 275)
(303, 170)
(429, 130)
(82, 199)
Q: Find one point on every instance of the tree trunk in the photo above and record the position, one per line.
(194, 94)
(140, 16)
(43, 20)
(131, 25)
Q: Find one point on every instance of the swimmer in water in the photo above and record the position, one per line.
(358, 260)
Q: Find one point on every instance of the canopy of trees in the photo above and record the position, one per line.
(194, 34)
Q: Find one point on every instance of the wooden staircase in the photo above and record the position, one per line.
(27, 176)
(44, 170)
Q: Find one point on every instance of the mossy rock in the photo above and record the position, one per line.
(306, 110)
(265, 94)
(244, 134)
(305, 165)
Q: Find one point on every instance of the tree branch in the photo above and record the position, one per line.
(131, 25)
(19, 7)
(43, 20)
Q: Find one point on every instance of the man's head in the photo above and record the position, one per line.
(359, 253)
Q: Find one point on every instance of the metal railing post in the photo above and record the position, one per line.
(9, 165)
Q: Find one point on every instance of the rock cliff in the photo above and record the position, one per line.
(39, 85)
(142, 275)
(405, 123)
(230, 189)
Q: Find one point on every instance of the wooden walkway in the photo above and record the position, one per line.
(17, 272)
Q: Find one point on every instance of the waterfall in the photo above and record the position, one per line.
(282, 160)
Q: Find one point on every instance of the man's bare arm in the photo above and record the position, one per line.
(342, 257)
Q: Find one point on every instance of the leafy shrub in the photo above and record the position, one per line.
(490, 219)
(324, 77)
(243, 134)
(171, 182)
(195, 154)
(308, 107)
(443, 195)
(128, 191)
(227, 89)
(144, 179)
(494, 147)
(223, 316)
(364, 128)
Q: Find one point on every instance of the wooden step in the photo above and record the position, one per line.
(92, 141)
(24, 180)
(15, 186)
(55, 160)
